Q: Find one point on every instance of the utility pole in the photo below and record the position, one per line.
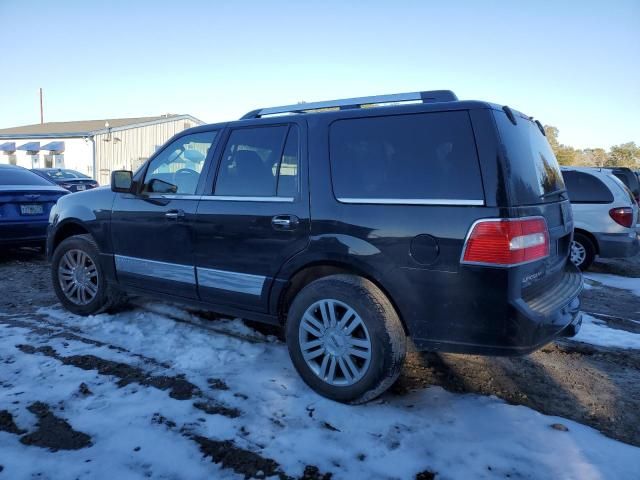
(41, 110)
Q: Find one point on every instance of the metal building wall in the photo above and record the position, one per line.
(128, 149)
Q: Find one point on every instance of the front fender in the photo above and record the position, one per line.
(88, 211)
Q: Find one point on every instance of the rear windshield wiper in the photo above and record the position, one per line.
(555, 192)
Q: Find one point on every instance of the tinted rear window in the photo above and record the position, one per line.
(531, 165)
(623, 187)
(10, 176)
(585, 188)
(429, 156)
(630, 180)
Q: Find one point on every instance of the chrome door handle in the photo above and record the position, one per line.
(284, 222)
(174, 214)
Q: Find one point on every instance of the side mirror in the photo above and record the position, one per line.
(121, 181)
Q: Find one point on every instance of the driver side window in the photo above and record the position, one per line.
(176, 169)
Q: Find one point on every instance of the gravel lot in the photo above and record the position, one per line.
(595, 386)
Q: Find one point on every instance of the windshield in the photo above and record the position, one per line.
(534, 173)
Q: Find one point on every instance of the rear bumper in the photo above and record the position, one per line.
(617, 245)
(23, 233)
(530, 323)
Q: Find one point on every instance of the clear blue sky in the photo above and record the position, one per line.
(572, 64)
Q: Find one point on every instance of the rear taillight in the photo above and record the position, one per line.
(507, 242)
(622, 216)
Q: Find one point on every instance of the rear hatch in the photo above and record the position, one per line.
(535, 188)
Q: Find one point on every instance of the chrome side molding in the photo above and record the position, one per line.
(413, 201)
(230, 281)
(205, 277)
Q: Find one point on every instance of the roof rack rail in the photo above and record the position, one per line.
(349, 103)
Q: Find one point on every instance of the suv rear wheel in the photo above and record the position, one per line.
(78, 279)
(345, 338)
(583, 251)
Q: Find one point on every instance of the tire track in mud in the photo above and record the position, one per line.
(60, 330)
(229, 455)
(51, 432)
(178, 386)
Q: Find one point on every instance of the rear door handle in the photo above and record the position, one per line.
(285, 222)
(174, 214)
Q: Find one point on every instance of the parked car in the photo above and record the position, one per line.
(25, 202)
(444, 222)
(605, 215)
(69, 179)
(630, 179)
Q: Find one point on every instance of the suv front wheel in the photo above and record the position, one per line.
(78, 279)
(345, 338)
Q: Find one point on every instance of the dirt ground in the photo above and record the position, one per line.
(596, 386)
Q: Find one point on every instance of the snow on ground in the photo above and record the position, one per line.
(596, 332)
(456, 436)
(617, 281)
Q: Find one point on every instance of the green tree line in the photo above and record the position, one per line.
(624, 155)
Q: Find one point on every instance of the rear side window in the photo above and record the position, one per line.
(18, 176)
(400, 158)
(260, 162)
(585, 188)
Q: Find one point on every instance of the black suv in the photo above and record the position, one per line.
(359, 225)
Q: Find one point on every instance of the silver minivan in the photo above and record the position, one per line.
(605, 214)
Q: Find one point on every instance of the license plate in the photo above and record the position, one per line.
(31, 209)
(81, 187)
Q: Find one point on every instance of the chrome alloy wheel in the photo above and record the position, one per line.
(335, 342)
(78, 277)
(578, 253)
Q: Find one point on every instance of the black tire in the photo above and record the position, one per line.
(107, 297)
(589, 251)
(386, 333)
